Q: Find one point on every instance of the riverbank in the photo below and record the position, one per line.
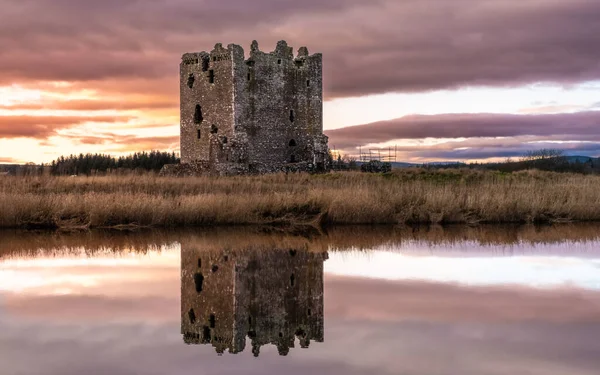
(411, 196)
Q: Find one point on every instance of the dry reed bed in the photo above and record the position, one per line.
(402, 197)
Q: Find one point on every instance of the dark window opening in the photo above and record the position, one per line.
(250, 320)
(251, 334)
(248, 76)
(292, 280)
(293, 253)
(199, 263)
(199, 134)
(192, 316)
(307, 82)
(278, 61)
(214, 58)
(280, 334)
(293, 159)
(250, 62)
(299, 63)
(292, 115)
(214, 129)
(198, 118)
(212, 320)
(300, 333)
(224, 140)
(199, 281)
(292, 143)
(309, 312)
(205, 334)
(205, 62)
(190, 81)
(215, 268)
(211, 76)
(226, 258)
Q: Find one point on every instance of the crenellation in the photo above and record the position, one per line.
(302, 52)
(252, 109)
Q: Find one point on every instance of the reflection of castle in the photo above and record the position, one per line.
(270, 296)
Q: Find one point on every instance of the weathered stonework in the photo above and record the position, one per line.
(257, 115)
(270, 296)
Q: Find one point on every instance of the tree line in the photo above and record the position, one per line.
(93, 163)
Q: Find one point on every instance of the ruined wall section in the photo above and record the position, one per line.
(206, 104)
(279, 106)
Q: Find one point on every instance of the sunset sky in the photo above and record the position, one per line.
(439, 79)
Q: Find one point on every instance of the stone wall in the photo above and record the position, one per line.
(256, 115)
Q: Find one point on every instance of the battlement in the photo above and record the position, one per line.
(282, 52)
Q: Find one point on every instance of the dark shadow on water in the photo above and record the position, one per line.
(267, 296)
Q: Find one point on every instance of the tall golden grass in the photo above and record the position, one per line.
(402, 197)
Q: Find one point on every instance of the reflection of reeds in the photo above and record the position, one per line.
(249, 238)
(403, 197)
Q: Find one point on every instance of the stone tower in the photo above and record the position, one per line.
(257, 115)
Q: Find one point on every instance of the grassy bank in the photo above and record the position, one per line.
(402, 197)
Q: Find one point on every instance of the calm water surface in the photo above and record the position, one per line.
(490, 300)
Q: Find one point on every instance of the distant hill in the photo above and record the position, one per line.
(581, 159)
(399, 164)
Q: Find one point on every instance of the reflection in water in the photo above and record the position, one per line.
(94, 243)
(431, 301)
(271, 296)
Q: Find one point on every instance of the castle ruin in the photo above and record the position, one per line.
(257, 115)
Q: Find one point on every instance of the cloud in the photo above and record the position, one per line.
(582, 126)
(391, 45)
(126, 143)
(95, 105)
(42, 127)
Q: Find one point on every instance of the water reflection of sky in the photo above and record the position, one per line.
(535, 265)
(535, 271)
(434, 310)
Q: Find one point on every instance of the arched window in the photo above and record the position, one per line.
(292, 143)
(198, 118)
(190, 81)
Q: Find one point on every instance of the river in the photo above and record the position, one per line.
(352, 300)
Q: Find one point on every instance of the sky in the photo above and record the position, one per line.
(435, 79)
